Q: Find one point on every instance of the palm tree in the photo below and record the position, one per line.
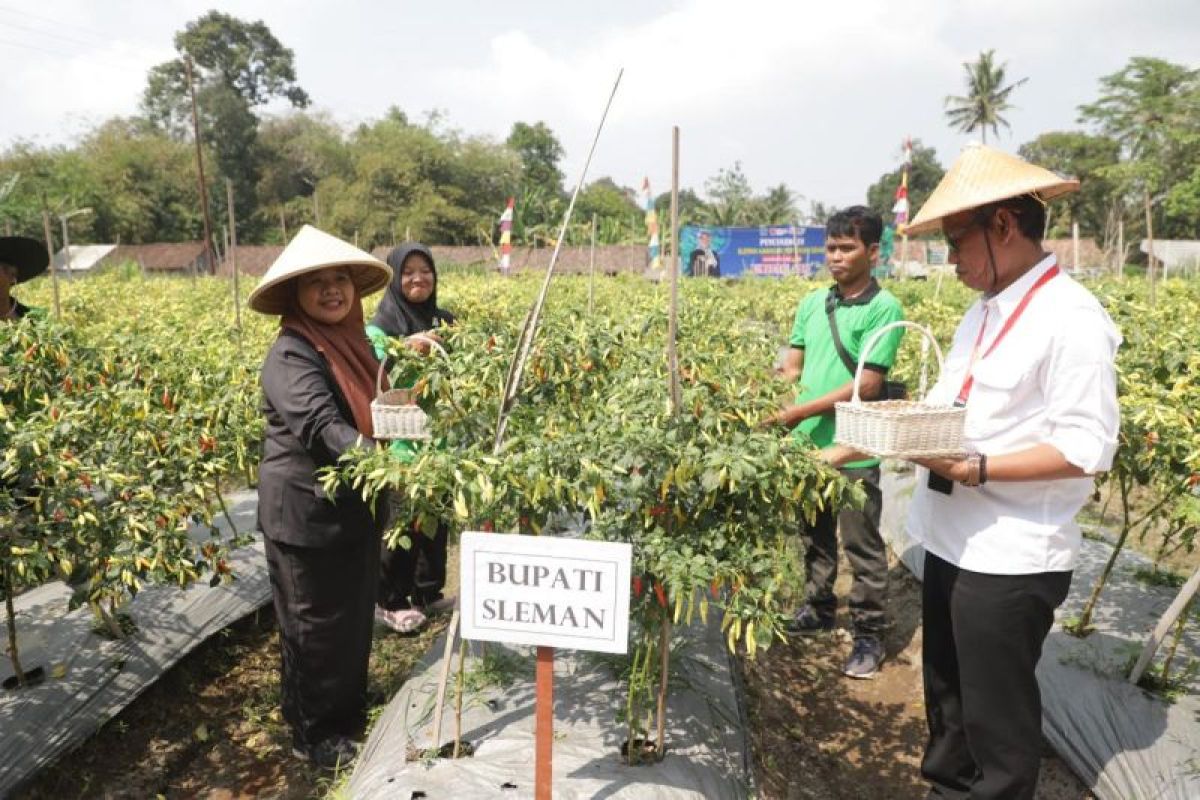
(986, 99)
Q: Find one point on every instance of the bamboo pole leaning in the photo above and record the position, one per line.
(512, 386)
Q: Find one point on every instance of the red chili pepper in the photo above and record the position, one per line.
(487, 526)
(658, 511)
(637, 585)
(715, 588)
(661, 594)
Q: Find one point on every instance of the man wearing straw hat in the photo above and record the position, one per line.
(1032, 361)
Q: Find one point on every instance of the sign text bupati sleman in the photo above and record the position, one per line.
(543, 590)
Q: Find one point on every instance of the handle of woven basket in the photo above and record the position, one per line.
(433, 343)
(874, 339)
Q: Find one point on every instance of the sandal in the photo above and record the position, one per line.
(440, 605)
(402, 620)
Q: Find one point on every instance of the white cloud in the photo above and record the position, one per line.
(814, 94)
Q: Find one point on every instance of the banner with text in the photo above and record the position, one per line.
(775, 250)
(542, 590)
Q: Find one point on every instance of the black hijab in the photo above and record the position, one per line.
(397, 316)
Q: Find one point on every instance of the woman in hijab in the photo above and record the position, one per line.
(323, 556)
(411, 580)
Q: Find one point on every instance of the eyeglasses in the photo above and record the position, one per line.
(954, 239)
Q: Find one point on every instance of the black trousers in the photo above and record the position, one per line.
(865, 551)
(416, 575)
(324, 602)
(983, 636)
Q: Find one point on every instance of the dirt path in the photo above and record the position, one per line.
(820, 735)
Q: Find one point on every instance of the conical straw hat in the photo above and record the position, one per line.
(982, 175)
(29, 256)
(311, 250)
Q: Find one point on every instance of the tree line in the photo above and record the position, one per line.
(397, 177)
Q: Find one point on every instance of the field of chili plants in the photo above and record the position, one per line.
(126, 419)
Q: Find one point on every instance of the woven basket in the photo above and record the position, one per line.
(394, 415)
(900, 428)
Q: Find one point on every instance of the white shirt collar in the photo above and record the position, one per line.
(1007, 300)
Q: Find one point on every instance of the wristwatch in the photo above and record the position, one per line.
(976, 470)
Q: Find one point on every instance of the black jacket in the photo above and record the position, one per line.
(309, 425)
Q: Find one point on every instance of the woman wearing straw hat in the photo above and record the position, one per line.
(1032, 361)
(318, 381)
(21, 258)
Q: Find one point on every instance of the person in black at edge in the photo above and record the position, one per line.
(411, 579)
(322, 552)
(21, 259)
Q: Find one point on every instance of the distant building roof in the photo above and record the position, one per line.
(162, 256)
(83, 256)
(252, 259)
(1174, 253)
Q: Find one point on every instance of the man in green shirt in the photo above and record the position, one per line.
(860, 307)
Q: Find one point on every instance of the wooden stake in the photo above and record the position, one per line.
(447, 655)
(1121, 248)
(1164, 625)
(212, 264)
(50, 251)
(592, 270)
(1150, 249)
(1074, 247)
(512, 382)
(544, 769)
(232, 254)
(282, 223)
(673, 327)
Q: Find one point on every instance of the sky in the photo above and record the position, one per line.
(817, 95)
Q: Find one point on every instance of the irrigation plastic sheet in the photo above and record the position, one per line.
(1124, 742)
(89, 679)
(706, 752)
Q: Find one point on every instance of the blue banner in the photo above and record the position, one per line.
(774, 251)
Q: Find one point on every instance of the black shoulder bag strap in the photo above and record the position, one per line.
(892, 390)
(831, 312)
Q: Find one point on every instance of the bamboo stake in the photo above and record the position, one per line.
(208, 251)
(232, 254)
(458, 697)
(11, 618)
(512, 383)
(1176, 608)
(444, 678)
(50, 251)
(592, 270)
(1150, 250)
(673, 327)
(676, 403)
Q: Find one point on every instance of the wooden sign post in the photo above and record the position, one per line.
(548, 592)
(543, 772)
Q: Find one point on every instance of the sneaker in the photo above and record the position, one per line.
(402, 620)
(808, 621)
(865, 658)
(330, 755)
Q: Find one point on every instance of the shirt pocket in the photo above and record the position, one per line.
(999, 393)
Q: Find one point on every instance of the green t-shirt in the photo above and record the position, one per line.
(824, 369)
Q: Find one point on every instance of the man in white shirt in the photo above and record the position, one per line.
(1032, 361)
